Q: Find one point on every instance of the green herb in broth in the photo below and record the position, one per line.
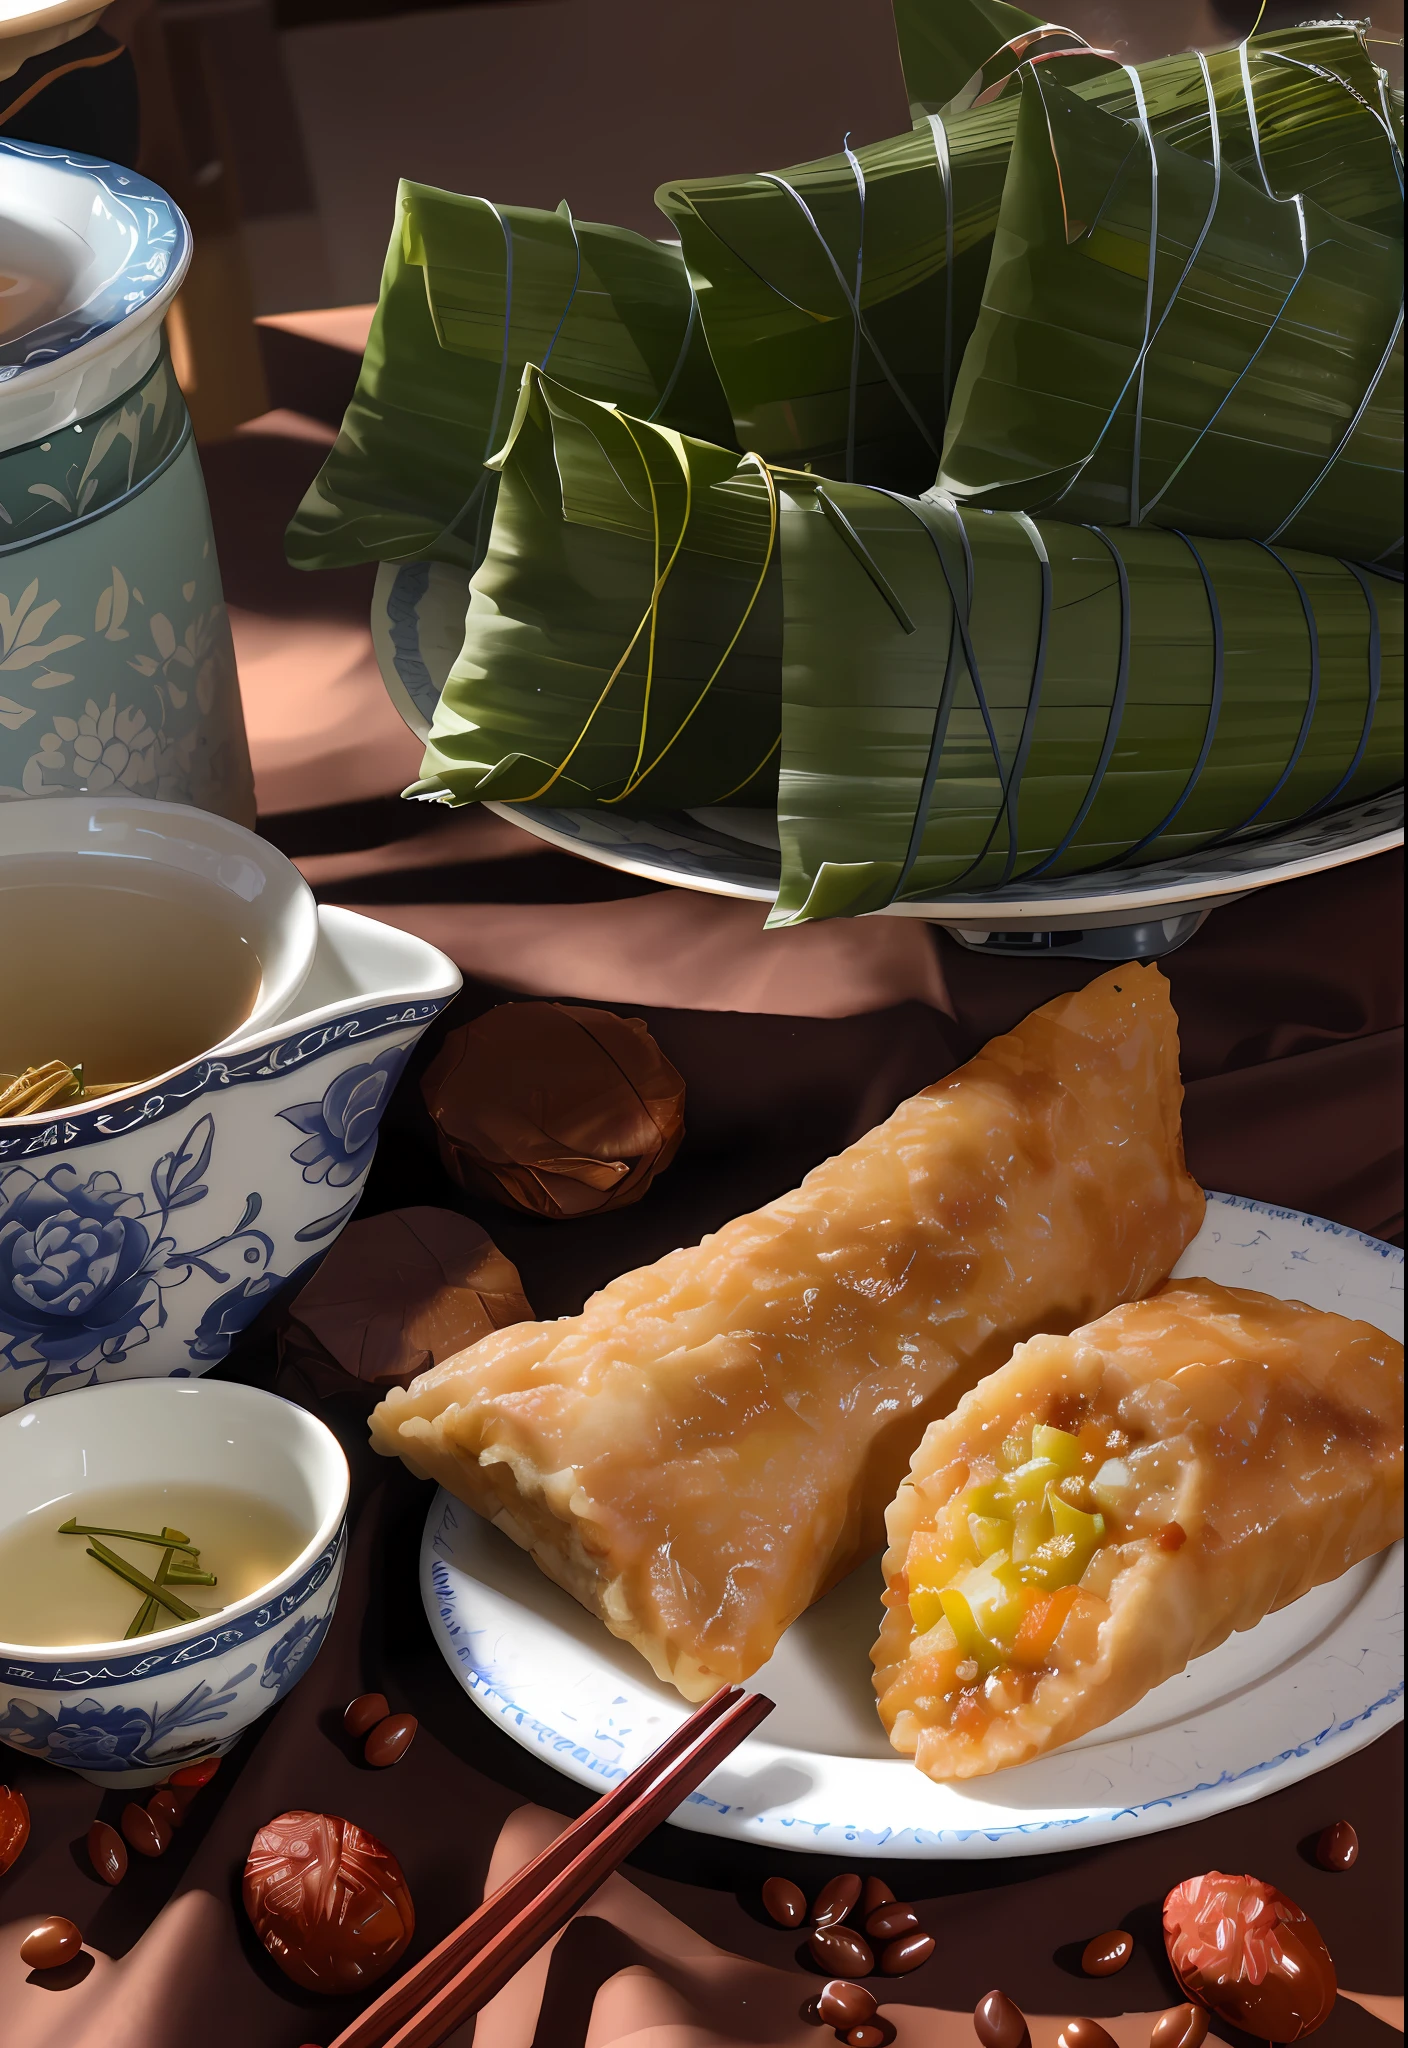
(154, 1589)
(135, 1569)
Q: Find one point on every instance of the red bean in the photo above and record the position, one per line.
(1084, 2033)
(897, 1958)
(1106, 1953)
(835, 1900)
(844, 2005)
(1182, 2026)
(107, 1852)
(148, 1833)
(841, 1951)
(998, 2023)
(197, 1774)
(389, 1740)
(876, 1893)
(169, 1804)
(50, 1942)
(866, 2036)
(14, 1825)
(784, 1902)
(886, 1922)
(1337, 1847)
(361, 1715)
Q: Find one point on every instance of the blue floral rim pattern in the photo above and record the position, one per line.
(152, 1663)
(553, 1743)
(1391, 1254)
(116, 1119)
(158, 242)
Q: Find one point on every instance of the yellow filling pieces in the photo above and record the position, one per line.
(997, 1578)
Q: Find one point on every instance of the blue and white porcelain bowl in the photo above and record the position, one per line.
(140, 1232)
(121, 1715)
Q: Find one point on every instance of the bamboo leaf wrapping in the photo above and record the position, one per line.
(1067, 697)
(838, 296)
(624, 631)
(469, 294)
(1253, 386)
(957, 698)
(1282, 119)
(946, 44)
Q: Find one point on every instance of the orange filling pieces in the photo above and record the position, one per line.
(992, 1586)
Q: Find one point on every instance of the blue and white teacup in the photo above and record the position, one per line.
(125, 1714)
(143, 1230)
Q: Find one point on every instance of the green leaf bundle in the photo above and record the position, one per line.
(838, 296)
(470, 293)
(1161, 341)
(974, 698)
(957, 698)
(624, 633)
(1283, 121)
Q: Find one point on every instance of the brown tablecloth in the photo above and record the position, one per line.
(791, 1044)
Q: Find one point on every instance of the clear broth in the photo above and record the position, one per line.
(102, 972)
(52, 1594)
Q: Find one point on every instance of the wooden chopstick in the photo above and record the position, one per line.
(485, 1950)
(499, 1959)
(408, 1993)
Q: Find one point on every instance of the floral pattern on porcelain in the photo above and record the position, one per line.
(81, 469)
(88, 1736)
(86, 1266)
(342, 1126)
(295, 1650)
(117, 666)
(108, 1268)
(153, 1710)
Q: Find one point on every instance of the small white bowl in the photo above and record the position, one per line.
(124, 1716)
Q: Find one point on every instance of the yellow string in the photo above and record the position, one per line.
(751, 773)
(647, 617)
(658, 586)
(636, 779)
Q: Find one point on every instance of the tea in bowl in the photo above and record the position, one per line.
(138, 935)
(149, 1213)
(170, 1557)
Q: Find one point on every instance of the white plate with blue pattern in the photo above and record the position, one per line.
(1308, 1686)
(417, 623)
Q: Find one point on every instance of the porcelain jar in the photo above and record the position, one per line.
(117, 667)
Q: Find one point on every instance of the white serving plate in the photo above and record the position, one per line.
(418, 625)
(1305, 1688)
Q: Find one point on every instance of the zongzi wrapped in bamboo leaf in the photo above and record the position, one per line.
(1109, 1505)
(713, 1441)
(838, 296)
(1297, 110)
(953, 50)
(1161, 341)
(624, 632)
(471, 292)
(971, 699)
(957, 698)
